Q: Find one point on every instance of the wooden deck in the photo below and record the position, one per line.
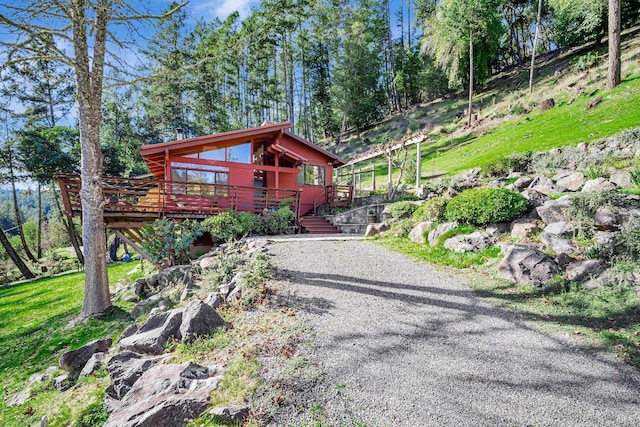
(129, 201)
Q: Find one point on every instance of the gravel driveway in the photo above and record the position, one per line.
(401, 344)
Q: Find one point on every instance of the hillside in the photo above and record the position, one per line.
(509, 117)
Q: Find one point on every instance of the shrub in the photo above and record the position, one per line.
(167, 241)
(583, 208)
(481, 206)
(255, 273)
(402, 209)
(400, 228)
(431, 210)
(271, 222)
(229, 225)
(519, 162)
(626, 245)
(223, 270)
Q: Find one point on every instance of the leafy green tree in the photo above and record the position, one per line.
(578, 21)
(463, 37)
(359, 95)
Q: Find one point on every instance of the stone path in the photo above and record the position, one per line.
(401, 344)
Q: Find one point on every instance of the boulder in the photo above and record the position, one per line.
(522, 228)
(604, 238)
(440, 230)
(526, 264)
(563, 260)
(214, 299)
(423, 192)
(522, 182)
(534, 197)
(153, 336)
(208, 261)
(497, 228)
(547, 104)
(597, 282)
(473, 242)
(125, 368)
(74, 360)
(174, 276)
(571, 182)
(582, 270)
(621, 179)
(63, 382)
(167, 396)
(560, 228)
(375, 229)
(607, 218)
(557, 244)
(130, 330)
(199, 319)
(20, 398)
(93, 364)
(553, 210)
(470, 179)
(231, 413)
(544, 185)
(141, 287)
(598, 184)
(417, 233)
(145, 306)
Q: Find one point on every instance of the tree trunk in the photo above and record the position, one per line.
(16, 210)
(613, 79)
(14, 256)
(89, 76)
(535, 43)
(68, 224)
(470, 78)
(39, 248)
(392, 66)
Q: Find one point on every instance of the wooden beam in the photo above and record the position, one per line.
(135, 247)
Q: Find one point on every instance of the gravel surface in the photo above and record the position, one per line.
(401, 344)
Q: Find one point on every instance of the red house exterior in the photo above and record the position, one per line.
(247, 165)
(247, 170)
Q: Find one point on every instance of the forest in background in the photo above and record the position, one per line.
(326, 66)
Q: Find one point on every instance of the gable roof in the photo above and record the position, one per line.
(153, 154)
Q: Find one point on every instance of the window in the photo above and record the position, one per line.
(238, 153)
(312, 175)
(192, 173)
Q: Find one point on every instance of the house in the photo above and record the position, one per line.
(246, 170)
(243, 167)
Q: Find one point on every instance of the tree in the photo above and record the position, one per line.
(461, 29)
(14, 256)
(535, 43)
(83, 23)
(613, 78)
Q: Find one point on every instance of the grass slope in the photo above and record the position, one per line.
(510, 120)
(33, 333)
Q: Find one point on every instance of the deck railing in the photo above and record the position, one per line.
(150, 197)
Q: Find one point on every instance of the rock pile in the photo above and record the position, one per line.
(145, 388)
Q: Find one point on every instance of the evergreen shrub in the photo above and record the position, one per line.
(481, 206)
(402, 209)
(431, 210)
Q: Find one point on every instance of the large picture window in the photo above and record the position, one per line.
(312, 175)
(192, 173)
(237, 153)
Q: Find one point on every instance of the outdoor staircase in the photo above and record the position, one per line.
(317, 225)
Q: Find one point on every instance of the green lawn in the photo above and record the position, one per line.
(33, 316)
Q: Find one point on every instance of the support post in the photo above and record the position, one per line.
(373, 176)
(418, 165)
(390, 175)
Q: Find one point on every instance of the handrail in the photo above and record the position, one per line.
(161, 197)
